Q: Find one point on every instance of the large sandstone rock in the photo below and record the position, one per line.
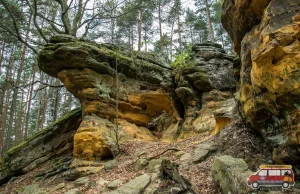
(270, 76)
(123, 87)
(204, 90)
(55, 140)
(231, 174)
(239, 16)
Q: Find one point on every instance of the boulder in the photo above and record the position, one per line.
(231, 174)
(81, 168)
(135, 186)
(81, 181)
(74, 191)
(55, 140)
(34, 188)
(141, 164)
(57, 187)
(203, 150)
(114, 184)
(172, 179)
(109, 165)
(101, 182)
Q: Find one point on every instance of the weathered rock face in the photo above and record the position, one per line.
(231, 174)
(136, 91)
(270, 77)
(110, 84)
(204, 89)
(53, 141)
(239, 16)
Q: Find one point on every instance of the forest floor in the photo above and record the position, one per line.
(234, 140)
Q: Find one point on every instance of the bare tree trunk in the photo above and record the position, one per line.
(113, 31)
(145, 39)
(41, 95)
(2, 56)
(191, 32)
(15, 90)
(70, 102)
(19, 122)
(129, 37)
(160, 29)
(45, 105)
(29, 103)
(179, 33)
(132, 38)
(171, 42)
(140, 30)
(56, 101)
(222, 38)
(3, 124)
(8, 94)
(211, 30)
(14, 100)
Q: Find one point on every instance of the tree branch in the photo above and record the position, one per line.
(35, 21)
(43, 83)
(17, 35)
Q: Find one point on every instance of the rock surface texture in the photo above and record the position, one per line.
(54, 141)
(134, 93)
(270, 76)
(231, 174)
(204, 89)
(112, 84)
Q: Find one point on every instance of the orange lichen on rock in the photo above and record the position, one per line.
(221, 122)
(90, 140)
(270, 77)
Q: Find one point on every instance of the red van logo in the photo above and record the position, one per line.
(272, 175)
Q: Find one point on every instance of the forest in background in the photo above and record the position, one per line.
(30, 99)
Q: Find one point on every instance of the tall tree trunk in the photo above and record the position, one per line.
(2, 57)
(7, 98)
(19, 122)
(70, 102)
(56, 101)
(222, 38)
(129, 37)
(140, 30)
(211, 30)
(112, 31)
(171, 42)
(47, 96)
(29, 103)
(191, 32)
(179, 33)
(145, 40)
(160, 29)
(14, 100)
(15, 90)
(132, 38)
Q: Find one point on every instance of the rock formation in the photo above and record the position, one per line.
(205, 89)
(54, 141)
(270, 76)
(130, 92)
(114, 86)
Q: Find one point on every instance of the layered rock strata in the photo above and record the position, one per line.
(134, 94)
(205, 88)
(54, 141)
(114, 86)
